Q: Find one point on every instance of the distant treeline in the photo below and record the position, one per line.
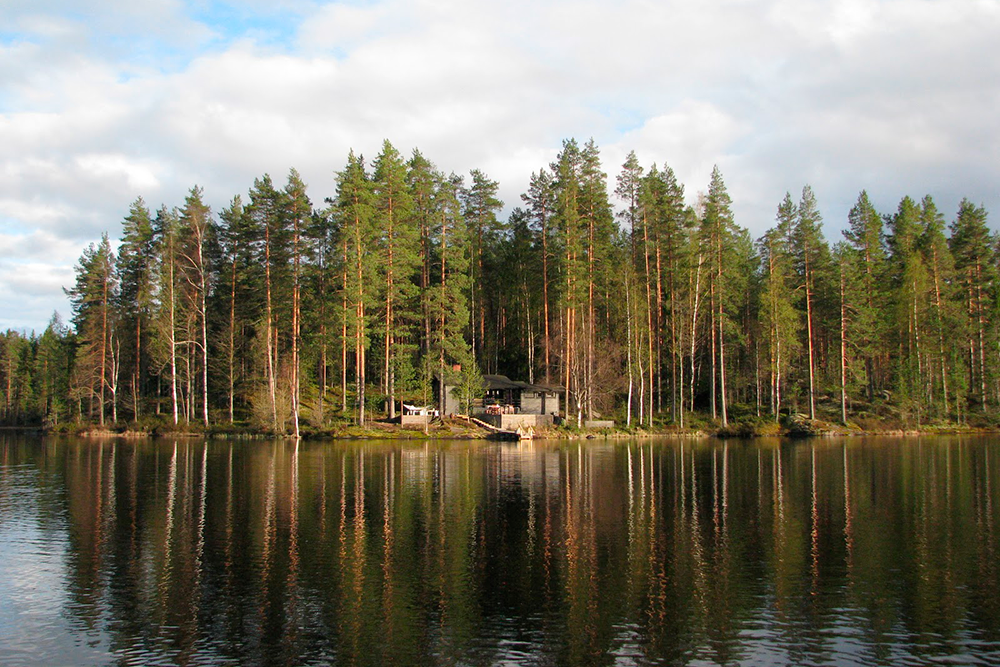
(282, 313)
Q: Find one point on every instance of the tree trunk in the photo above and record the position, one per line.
(916, 341)
(679, 389)
(203, 307)
(659, 331)
(713, 348)
(136, 383)
(232, 341)
(359, 333)
(843, 348)
(940, 317)
(343, 336)
(271, 379)
(296, 320)
(722, 339)
(676, 351)
(389, 350)
(442, 386)
(649, 315)
(425, 279)
(809, 336)
(628, 320)
(104, 337)
(204, 350)
(589, 381)
(113, 384)
(173, 337)
(982, 322)
(545, 294)
(694, 324)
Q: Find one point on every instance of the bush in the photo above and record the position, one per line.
(261, 415)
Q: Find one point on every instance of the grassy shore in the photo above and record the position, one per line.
(790, 426)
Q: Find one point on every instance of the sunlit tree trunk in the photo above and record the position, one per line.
(343, 335)
(809, 337)
(694, 324)
(940, 319)
(269, 326)
(722, 337)
(296, 322)
(651, 334)
(843, 346)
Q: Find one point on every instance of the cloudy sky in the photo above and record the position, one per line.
(102, 101)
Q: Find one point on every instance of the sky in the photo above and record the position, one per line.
(103, 101)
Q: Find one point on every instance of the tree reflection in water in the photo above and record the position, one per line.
(867, 551)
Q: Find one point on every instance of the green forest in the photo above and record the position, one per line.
(288, 315)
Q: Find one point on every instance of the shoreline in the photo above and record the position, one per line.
(456, 429)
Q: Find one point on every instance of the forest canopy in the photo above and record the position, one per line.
(285, 313)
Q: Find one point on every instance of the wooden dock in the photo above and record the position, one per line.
(499, 433)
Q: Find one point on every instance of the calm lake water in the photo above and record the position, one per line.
(846, 552)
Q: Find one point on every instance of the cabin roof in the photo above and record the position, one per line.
(495, 382)
(500, 382)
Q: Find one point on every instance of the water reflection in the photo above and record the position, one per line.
(859, 552)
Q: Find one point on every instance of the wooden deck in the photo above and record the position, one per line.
(499, 433)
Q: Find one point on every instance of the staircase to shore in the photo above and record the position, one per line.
(500, 433)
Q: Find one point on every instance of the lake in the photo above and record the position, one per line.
(862, 551)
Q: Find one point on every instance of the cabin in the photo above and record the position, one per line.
(513, 397)
(510, 403)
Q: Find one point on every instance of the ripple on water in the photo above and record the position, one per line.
(221, 555)
(33, 548)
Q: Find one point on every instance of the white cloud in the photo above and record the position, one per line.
(136, 175)
(33, 213)
(34, 268)
(896, 96)
(691, 138)
(339, 27)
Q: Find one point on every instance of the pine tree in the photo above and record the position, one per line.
(400, 241)
(448, 304)
(595, 210)
(198, 233)
(572, 238)
(777, 300)
(908, 281)
(135, 277)
(811, 254)
(92, 297)
(519, 292)
(540, 200)
(320, 300)
(298, 213)
(166, 229)
(265, 211)
(864, 234)
(53, 361)
(236, 286)
(629, 190)
(940, 265)
(717, 233)
(670, 230)
(480, 207)
(355, 208)
(972, 247)
(16, 362)
(846, 281)
(422, 181)
(694, 301)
